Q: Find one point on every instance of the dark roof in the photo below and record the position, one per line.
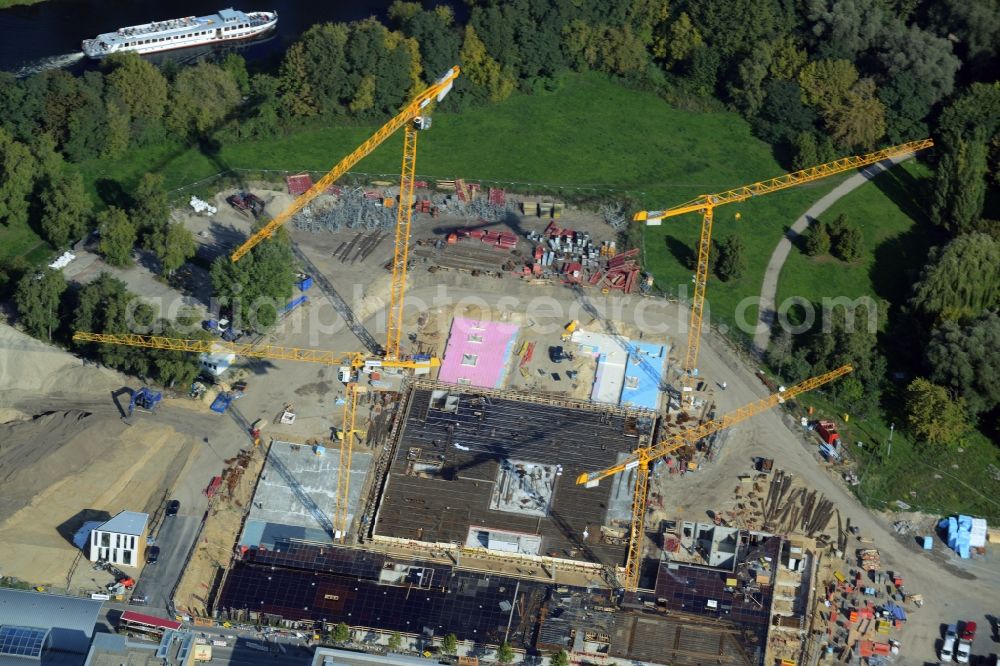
(441, 507)
(680, 641)
(470, 605)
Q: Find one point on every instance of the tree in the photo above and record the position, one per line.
(264, 275)
(846, 239)
(236, 67)
(37, 299)
(66, 208)
(965, 127)
(341, 633)
(434, 30)
(17, 178)
(106, 305)
(202, 97)
(505, 653)
(965, 358)
(150, 210)
(178, 246)
(826, 83)
(682, 39)
(858, 121)
(844, 28)
(925, 56)
(117, 130)
(817, 239)
(118, 236)
(848, 335)
(138, 84)
(787, 59)
(559, 658)
(976, 27)
(932, 414)
(783, 116)
(483, 70)
(86, 124)
(962, 279)
(294, 90)
(395, 641)
(748, 91)
(732, 258)
(449, 644)
(734, 26)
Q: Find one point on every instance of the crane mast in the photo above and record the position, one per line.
(435, 92)
(642, 458)
(706, 204)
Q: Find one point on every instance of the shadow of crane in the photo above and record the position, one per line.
(611, 329)
(303, 497)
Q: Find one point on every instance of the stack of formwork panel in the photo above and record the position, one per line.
(497, 196)
(298, 184)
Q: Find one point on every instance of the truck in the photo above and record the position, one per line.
(827, 431)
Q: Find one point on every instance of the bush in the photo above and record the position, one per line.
(817, 239)
(732, 258)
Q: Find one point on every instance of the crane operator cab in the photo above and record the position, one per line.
(422, 122)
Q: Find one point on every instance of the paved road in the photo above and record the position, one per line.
(769, 288)
(174, 538)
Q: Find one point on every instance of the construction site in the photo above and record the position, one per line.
(561, 479)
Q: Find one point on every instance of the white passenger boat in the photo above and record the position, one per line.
(226, 25)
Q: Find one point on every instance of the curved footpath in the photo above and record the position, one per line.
(769, 288)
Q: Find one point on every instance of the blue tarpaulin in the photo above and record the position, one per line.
(897, 611)
(959, 530)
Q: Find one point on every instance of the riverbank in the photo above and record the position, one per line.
(4, 4)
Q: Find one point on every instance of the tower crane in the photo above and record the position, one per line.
(642, 458)
(414, 118)
(354, 359)
(706, 204)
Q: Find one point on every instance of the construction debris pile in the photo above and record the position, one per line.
(799, 509)
(861, 608)
(574, 258)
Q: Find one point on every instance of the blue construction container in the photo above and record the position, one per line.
(221, 402)
(295, 303)
(305, 283)
(928, 543)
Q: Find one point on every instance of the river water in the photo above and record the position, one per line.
(48, 34)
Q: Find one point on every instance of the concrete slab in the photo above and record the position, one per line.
(296, 496)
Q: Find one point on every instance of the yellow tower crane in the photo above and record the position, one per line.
(414, 117)
(354, 359)
(706, 204)
(642, 458)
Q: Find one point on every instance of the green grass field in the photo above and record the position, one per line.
(590, 136)
(895, 232)
(939, 480)
(589, 132)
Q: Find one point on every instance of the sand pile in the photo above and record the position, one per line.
(66, 457)
(30, 368)
(62, 469)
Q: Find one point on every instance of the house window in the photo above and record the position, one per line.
(464, 382)
(470, 359)
(478, 339)
(105, 539)
(127, 557)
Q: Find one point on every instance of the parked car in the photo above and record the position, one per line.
(152, 555)
(556, 354)
(962, 651)
(173, 506)
(948, 647)
(968, 632)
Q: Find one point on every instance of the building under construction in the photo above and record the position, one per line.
(476, 469)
